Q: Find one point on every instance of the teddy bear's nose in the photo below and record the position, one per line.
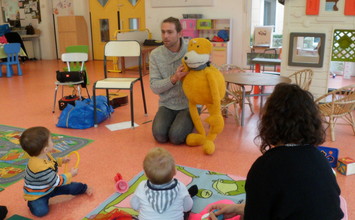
(185, 58)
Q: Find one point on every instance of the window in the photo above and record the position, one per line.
(269, 12)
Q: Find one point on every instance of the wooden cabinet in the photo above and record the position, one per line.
(72, 30)
(211, 29)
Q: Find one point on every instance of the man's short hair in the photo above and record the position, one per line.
(175, 21)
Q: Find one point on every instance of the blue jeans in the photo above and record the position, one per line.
(39, 207)
(172, 125)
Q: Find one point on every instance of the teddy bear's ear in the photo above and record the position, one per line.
(186, 68)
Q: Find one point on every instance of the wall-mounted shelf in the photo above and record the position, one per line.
(209, 28)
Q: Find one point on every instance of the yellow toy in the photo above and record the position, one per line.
(203, 85)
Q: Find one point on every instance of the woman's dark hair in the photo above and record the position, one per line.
(290, 116)
(175, 21)
(34, 139)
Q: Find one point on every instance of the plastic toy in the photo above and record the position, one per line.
(76, 163)
(331, 154)
(207, 215)
(121, 185)
(204, 214)
(346, 166)
(203, 85)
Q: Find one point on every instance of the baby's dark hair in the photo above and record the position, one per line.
(34, 139)
(290, 116)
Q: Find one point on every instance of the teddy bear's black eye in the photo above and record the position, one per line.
(198, 46)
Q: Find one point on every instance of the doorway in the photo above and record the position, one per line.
(109, 16)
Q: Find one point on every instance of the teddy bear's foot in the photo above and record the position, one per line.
(216, 123)
(195, 139)
(209, 147)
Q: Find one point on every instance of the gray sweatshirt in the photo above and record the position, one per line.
(162, 64)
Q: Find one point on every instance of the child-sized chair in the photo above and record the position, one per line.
(76, 66)
(11, 51)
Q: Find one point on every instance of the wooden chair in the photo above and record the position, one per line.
(303, 78)
(12, 50)
(235, 89)
(339, 103)
(115, 49)
(233, 95)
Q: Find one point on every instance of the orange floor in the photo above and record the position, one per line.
(27, 101)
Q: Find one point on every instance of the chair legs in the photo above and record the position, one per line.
(130, 100)
(144, 103)
(79, 93)
(19, 70)
(349, 118)
(10, 71)
(55, 97)
(331, 126)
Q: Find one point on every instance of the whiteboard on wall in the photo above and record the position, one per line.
(180, 3)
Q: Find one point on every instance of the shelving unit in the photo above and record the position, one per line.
(209, 28)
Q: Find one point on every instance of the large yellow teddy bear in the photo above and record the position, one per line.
(203, 85)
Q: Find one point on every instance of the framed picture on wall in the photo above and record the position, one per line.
(263, 36)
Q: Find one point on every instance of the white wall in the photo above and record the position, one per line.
(46, 27)
(296, 20)
(236, 10)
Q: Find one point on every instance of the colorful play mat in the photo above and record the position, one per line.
(13, 159)
(213, 187)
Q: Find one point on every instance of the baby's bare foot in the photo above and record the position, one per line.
(89, 191)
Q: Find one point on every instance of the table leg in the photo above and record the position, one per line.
(243, 106)
(261, 97)
(256, 88)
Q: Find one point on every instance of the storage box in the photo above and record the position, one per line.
(331, 154)
(190, 33)
(204, 24)
(346, 166)
(188, 24)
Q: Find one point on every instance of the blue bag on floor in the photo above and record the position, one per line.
(81, 115)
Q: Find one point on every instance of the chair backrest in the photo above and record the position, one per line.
(303, 78)
(70, 58)
(339, 101)
(138, 35)
(232, 89)
(77, 49)
(12, 50)
(123, 48)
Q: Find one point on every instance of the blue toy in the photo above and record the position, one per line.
(331, 154)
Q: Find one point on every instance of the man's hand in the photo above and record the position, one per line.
(178, 75)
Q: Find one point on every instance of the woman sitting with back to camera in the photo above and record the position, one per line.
(292, 179)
